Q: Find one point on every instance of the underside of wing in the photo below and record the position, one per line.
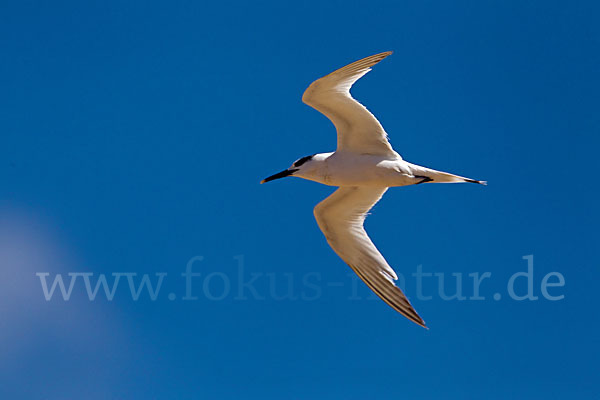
(341, 217)
(358, 130)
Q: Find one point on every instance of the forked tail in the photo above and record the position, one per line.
(433, 176)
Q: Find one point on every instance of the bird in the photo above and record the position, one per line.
(363, 167)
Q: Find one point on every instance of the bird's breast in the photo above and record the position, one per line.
(362, 171)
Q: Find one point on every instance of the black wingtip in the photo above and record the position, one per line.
(419, 322)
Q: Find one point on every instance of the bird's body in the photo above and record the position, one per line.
(349, 169)
(363, 167)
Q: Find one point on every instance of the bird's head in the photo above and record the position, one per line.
(301, 166)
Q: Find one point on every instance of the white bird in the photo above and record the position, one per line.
(363, 166)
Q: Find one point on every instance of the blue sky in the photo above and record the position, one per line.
(134, 135)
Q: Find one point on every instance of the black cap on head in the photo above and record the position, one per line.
(303, 160)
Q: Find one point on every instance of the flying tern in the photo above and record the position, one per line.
(363, 167)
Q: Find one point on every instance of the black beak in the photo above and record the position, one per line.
(282, 174)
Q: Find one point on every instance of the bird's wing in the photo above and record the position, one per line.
(340, 217)
(358, 130)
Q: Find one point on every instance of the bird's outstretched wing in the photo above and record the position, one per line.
(340, 217)
(358, 130)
